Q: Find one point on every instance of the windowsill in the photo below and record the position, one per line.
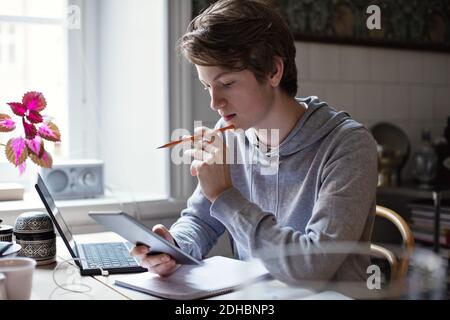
(143, 207)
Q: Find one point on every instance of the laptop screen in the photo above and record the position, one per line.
(56, 216)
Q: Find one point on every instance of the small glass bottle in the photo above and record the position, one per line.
(3, 295)
(425, 161)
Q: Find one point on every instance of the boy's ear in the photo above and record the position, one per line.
(277, 73)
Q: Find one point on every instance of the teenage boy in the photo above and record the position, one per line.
(313, 186)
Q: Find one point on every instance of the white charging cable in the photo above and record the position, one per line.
(74, 286)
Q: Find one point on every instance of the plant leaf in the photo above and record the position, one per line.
(34, 101)
(16, 151)
(18, 108)
(45, 160)
(22, 167)
(49, 131)
(34, 117)
(36, 145)
(6, 123)
(30, 129)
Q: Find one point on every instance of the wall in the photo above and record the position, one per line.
(408, 88)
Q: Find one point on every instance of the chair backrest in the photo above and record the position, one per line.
(398, 263)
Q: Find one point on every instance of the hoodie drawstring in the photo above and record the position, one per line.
(251, 174)
(277, 187)
(255, 148)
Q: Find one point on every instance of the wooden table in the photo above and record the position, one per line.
(103, 288)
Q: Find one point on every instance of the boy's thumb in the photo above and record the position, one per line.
(162, 231)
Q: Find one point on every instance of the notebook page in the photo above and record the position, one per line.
(217, 275)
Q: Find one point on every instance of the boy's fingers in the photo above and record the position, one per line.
(194, 166)
(139, 250)
(200, 155)
(210, 148)
(202, 133)
(162, 231)
(155, 260)
(164, 269)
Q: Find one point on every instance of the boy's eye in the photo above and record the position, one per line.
(227, 84)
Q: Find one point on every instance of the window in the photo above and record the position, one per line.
(123, 91)
(105, 83)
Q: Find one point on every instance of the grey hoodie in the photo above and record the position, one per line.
(321, 192)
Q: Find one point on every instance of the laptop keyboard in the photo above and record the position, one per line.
(108, 255)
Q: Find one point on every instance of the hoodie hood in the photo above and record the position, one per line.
(318, 121)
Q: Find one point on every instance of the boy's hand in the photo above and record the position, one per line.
(209, 164)
(161, 264)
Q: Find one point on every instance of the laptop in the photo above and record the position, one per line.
(91, 258)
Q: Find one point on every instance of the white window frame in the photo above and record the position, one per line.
(180, 115)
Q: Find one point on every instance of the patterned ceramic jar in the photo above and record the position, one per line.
(34, 231)
(6, 233)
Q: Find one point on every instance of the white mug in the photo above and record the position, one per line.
(3, 287)
(19, 277)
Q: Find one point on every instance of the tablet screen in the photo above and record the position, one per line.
(137, 233)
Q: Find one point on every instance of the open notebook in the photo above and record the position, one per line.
(217, 275)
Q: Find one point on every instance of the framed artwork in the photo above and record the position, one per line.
(413, 24)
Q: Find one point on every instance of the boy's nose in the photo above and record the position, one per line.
(217, 102)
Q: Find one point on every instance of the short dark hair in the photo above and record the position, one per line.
(242, 34)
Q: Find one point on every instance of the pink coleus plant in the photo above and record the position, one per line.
(36, 130)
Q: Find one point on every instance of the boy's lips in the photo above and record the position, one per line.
(229, 117)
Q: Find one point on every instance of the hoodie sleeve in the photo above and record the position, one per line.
(344, 204)
(196, 231)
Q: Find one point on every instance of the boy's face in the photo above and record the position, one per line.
(237, 96)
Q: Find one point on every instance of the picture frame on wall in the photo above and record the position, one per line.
(411, 24)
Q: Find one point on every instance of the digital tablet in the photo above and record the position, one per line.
(137, 233)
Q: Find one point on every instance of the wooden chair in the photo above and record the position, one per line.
(398, 263)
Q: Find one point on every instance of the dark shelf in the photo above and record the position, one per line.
(434, 192)
(414, 191)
